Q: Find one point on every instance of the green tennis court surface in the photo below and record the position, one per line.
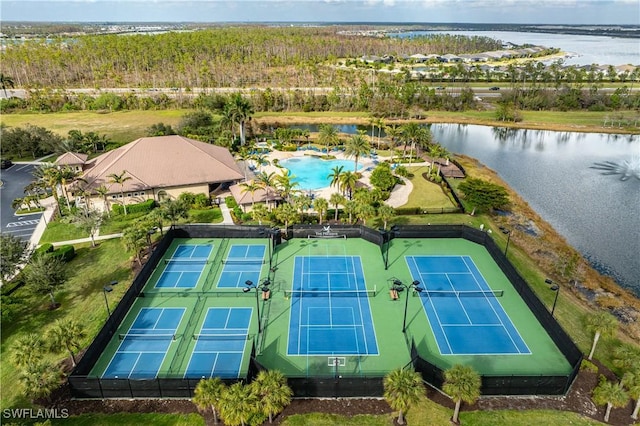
(312, 325)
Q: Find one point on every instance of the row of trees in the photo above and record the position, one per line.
(222, 57)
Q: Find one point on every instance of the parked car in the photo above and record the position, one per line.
(494, 88)
(5, 164)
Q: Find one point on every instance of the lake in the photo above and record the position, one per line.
(585, 50)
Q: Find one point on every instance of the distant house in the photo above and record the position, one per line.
(450, 58)
(158, 168)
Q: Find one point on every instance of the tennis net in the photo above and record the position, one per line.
(207, 336)
(171, 292)
(134, 336)
(328, 293)
(244, 261)
(201, 260)
(463, 293)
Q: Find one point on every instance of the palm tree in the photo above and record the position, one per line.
(173, 210)
(6, 82)
(609, 394)
(328, 135)
(68, 333)
(356, 147)
(365, 212)
(394, 132)
(259, 213)
(414, 133)
(40, 379)
(335, 175)
(402, 388)
(27, 350)
(208, 393)
(120, 179)
(600, 324)
(348, 182)
(67, 177)
(350, 208)
(273, 392)
(134, 238)
(462, 383)
(336, 199)
(286, 185)
(626, 356)
(238, 404)
(250, 187)
(267, 182)
(631, 382)
(102, 191)
(320, 205)
(386, 213)
(240, 111)
(286, 213)
(50, 176)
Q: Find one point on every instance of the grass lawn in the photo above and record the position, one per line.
(212, 215)
(60, 231)
(426, 194)
(132, 419)
(121, 127)
(80, 298)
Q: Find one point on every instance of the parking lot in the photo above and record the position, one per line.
(14, 179)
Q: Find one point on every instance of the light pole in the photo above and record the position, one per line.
(556, 288)
(271, 233)
(265, 288)
(108, 289)
(385, 253)
(507, 232)
(399, 286)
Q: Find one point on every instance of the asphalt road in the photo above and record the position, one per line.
(14, 179)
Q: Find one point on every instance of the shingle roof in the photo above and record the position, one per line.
(163, 161)
(71, 158)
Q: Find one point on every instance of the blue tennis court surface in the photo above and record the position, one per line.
(330, 312)
(220, 344)
(145, 345)
(184, 269)
(471, 323)
(244, 262)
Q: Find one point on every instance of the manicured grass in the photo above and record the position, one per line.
(524, 418)
(81, 298)
(119, 222)
(320, 419)
(132, 419)
(426, 194)
(60, 231)
(212, 215)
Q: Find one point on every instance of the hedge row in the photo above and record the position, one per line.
(64, 253)
(144, 207)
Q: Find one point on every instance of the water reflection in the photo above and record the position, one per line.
(625, 168)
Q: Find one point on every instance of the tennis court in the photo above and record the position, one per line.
(143, 349)
(243, 263)
(330, 312)
(184, 269)
(464, 313)
(220, 344)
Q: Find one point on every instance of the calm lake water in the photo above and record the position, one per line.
(585, 50)
(598, 214)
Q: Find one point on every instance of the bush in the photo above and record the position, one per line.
(45, 248)
(144, 207)
(589, 366)
(64, 253)
(230, 202)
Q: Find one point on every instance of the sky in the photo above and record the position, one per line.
(625, 12)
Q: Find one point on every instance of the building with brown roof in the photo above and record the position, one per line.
(74, 160)
(158, 168)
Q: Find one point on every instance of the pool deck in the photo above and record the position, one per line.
(399, 195)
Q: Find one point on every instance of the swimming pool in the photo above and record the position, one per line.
(311, 172)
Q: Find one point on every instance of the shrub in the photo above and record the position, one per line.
(589, 366)
(64, 253)
(230, 202)
(144, 207)
(45, 248)
(201, 201)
